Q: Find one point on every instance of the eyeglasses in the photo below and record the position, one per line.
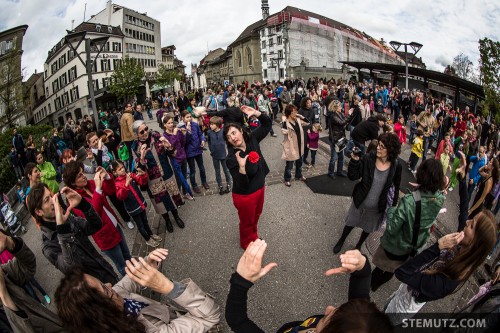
(144, 130)
(107, 291)
(381, 146)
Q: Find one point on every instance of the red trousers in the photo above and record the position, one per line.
(249, 208)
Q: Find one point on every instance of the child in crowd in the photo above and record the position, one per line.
(380, 106)
(48, 172)
(313, 141)
(21, 195)
(253, 123)
(445, 158)
(127, 190)
(400, 129)
(372, 105)
(445, 142)
(217, 146)
(413, 127)
(195, 142)
(416, 150)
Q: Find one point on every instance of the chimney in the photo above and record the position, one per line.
(109, 8)
(265, 9)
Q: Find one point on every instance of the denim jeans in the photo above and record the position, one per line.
(217, 165)
(192, 170)
(119, 254)
(334, 156)
(150, 114)
(288, 169)
(141, 220)
(19, 172)
(350, 144)
(426, 147)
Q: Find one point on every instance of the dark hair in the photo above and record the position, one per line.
(419, 132)
(217, 121)
(372, 146)
(167, 117)
(430, 176)
(71, 171)
(380, 117)
(91, 134)
(34, 199)
(115, 164)
(303, 102)
(358, 315)
(28, 169)
(392, 144)
(184, 113)
(227, 126)
(289, 109)
(85, 309)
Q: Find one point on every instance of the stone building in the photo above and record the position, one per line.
(34, 95)
(11, 89)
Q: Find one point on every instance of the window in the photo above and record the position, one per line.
(282, 73)
(271, 41)
(54, 67)
(105, 65)
(263, 32)
(72, 74)
(65, 99)
(278, 28)
(265, 73)
(117, 47)
(264, 57)
(45, 75)
(269, 31)
(238, 58)
(63, 80)
(105, 82)
(263, 44)
(74, 94)
(58, 103)
(55, 86)
(47, 91)
(279, 40)
(249, 56)
(116, 63)
(280, 53)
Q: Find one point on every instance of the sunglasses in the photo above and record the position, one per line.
(144, 130)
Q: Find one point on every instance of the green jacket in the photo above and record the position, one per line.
(49, 176)
(398, 235)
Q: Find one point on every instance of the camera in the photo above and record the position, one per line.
(356, 151)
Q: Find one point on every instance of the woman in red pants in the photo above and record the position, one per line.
(248, 169)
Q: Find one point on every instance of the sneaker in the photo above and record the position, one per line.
(306, 163)
(450, 189)
(288, 184)
(221, 190)
(274, 135)
(188, 196)
(47, 299)
(156, 237)
(341, 174)
(228, 188)
(301, 178)
(151, 242)
(130, 225)
(205, 186)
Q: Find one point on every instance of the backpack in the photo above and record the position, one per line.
(123, 152)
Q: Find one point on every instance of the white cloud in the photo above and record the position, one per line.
(445, 29)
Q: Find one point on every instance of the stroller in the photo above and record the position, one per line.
(9, 220)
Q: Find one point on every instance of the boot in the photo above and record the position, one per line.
(228, 188)
(338, 246)
(362, 238)
(168, 223)
(221, 190)
(177, 219)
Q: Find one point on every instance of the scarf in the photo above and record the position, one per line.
(133, 307)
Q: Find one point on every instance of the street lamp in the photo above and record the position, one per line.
(415, 47)
(74, 39)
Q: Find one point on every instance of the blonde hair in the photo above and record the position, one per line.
(335, 106)
(318, 127)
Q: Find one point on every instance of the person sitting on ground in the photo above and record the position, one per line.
(87, 305)
(66, 244)
(345, 318)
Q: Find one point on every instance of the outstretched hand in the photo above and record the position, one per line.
(155, 257)
(250, 264)
(148, 276)
(351, 261)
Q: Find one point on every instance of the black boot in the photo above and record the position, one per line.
(347, 230)
(221, 190)
(177, 219)
(362, 238)
(168, 223)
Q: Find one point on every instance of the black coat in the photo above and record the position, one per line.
(230, 115)
(308, 114)
(364, 169)
(366, 130)
(337, 126)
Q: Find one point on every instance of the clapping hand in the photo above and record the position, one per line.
(250, 264)
(351, 261)
(90, 155)
(165, 143)
(128, 180)
(450, 240)
(147, 275)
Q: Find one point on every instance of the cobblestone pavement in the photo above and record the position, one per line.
(300, 227)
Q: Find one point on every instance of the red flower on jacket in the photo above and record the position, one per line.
(253, 157)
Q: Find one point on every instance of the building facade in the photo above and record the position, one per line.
(66, 80)
(142, 39)
(11, 89)
(34, 95)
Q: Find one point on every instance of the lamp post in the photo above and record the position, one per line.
(415, 47)
(74, 39)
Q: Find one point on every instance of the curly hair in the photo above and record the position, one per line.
(289, 109)
(430, 176)
(392, 144)
(84, 309)
(303, 102)
(71, 171)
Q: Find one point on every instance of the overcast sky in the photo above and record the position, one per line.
(444, 27)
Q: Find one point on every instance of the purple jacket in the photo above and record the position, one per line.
(178, 141)
(193, 141)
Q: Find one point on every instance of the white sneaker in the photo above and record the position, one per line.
(156, 238)
(130, 225)
(188, 196)
(151, 242)
(450, 189)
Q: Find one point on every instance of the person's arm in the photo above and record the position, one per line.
(397, 183)
(487, 189)
(22, 268)
(266, 124)
(238, 173)
(355, 168)
(122, 191)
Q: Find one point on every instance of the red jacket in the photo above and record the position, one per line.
(460, 128)
(108, 236)
(131, 195)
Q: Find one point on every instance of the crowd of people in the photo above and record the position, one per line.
(94, 180)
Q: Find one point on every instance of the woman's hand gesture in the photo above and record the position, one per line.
(242, 161)
(250, 264)
(351, 261)
(450, 240)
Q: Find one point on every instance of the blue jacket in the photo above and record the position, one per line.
(216, 144)
(194, 140)
(14, 159)
(476, 165)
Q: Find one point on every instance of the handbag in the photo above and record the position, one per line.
(341, 144)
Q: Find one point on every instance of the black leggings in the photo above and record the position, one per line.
(380, 277)
(141, 220)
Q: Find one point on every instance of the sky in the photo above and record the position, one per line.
(445, 28)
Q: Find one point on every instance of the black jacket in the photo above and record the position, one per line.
(308, 114)
(337, 126)
(230, 115)
(50, 151)
(366, 130)
(236, 304)
(113, 122)
(68, 245)
(364, 169)
(356, 117)
(182, 103)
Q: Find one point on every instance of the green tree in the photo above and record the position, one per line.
(11, 93)
(127, 78)
(165, 76)
(489, 51)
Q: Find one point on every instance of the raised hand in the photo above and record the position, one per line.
(98, 179)
(146, 275)
(155, 257)
(90, 155)
(6, 242)
(250, 264)
(73, 199)
(128, 180)
(351, 261)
